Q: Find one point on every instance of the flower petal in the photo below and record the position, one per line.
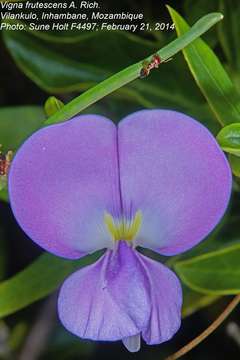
(107, 300)
(121, 296)
(61, 182)
(174, 172)
(132, 343)
(166, 302)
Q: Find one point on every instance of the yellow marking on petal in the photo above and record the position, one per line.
(110, 224)
(123, 229)
(135, 227)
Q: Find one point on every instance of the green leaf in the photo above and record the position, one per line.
(125, 48)
(44, 70)
(50, 70)
(38, 280)
(17, 124)
(210, 76)
(66, 36)
(229, 32)
(235, 164)
(3, 183)
(52, 105)
(4, 192)
(132, 72)
(194, 301)
(194, 9)
(216, 273)
(158, 90)
(229, 139)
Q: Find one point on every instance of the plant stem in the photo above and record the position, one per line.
(192, 344)
(132, 72)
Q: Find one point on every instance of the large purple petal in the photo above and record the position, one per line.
(61, 182)
(173, 170)
(122, 296)
(107, 300)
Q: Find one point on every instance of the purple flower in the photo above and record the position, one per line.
(158, 180)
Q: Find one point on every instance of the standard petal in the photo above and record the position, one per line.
(166, 302)
(62, 180)
(174, 172)
(108, 300)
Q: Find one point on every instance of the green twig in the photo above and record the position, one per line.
(192, 344)
(132, 72)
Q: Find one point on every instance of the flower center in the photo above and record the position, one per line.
(123, 229)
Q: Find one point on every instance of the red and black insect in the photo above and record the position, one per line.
(5, 161)
(153, 64)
